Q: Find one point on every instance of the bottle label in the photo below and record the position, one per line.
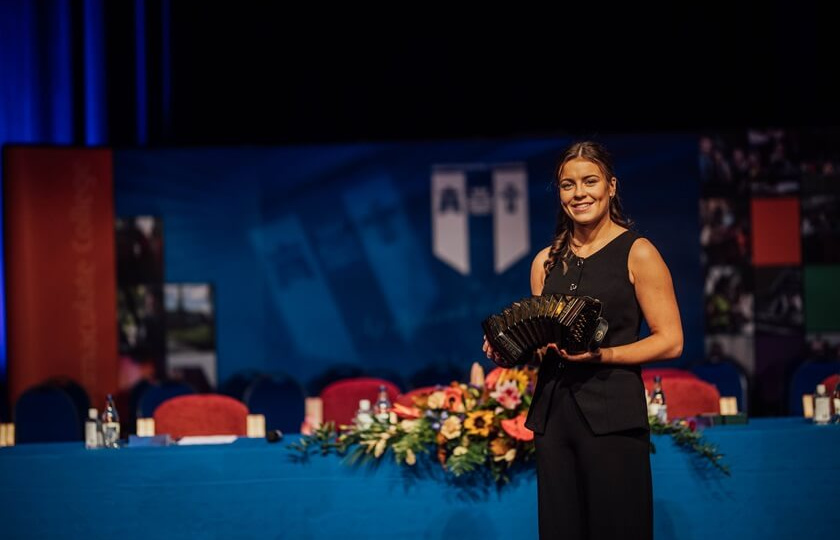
(111, 434)
(822, 410)
(364, 420)
(662, 413)
(92, 436)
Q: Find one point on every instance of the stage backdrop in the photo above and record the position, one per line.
(387, 256)
(60, 268)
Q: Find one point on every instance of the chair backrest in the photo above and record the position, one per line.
(4, 403)
(729, 378)
(46, 413)
(805, 379)
(201, 414)
(666, 373)
(341, 399)
(688, 396)
(77, 393)
(831, 382)
(389, 375)
(280, 399)
(155, 394)
(407, 398)
(336, 372)
(236, 385)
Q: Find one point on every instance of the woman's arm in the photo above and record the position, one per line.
(655, 292)
(538, 272)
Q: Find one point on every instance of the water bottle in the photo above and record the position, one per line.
(93, 430)
(822, 406)
(110, 424)
(657, 406)
(382, 407)
(364, 416)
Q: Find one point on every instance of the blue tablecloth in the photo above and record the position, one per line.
(785, 483)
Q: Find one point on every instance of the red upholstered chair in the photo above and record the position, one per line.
(201, 414)
(340, 399)
(407, 399)
(666, 373)
(688, 396)
(830, 383)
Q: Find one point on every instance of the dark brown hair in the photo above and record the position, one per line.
(562, 242)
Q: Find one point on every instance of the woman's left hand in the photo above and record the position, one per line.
(589, 356)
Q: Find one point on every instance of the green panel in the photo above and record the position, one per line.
(822, 298)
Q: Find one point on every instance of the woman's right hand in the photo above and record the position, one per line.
(489, 351)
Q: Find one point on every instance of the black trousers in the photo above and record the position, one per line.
(592, 487)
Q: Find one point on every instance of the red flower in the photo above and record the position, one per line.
(515, 427)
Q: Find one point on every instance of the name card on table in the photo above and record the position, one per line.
(728, 405)
(256, 426)
(808, 405)
(145, 427)
(7, 434)
(313, 415)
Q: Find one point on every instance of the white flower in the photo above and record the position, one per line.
(436, 400)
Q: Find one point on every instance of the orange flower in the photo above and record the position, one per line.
(406, 412)
(500, 446)
(453, 399)
(492, 377)
(515, 427)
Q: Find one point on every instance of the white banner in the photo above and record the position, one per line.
(450, 214)
(511, 236)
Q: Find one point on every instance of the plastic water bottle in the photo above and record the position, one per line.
(110, 424)
(822, 406)
(657, 406)
(364, 416)
(93, 431)
(382, 407)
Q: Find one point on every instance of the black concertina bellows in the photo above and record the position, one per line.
(574, 323)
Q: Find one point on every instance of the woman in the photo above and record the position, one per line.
(589, 413)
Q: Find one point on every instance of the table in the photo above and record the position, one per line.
(785, 483)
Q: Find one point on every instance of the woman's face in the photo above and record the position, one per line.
(585, 192)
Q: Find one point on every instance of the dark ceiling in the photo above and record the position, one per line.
(253, 75)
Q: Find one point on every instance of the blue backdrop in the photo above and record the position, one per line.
(323, 254)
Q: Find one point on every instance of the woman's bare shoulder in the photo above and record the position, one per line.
(542, 256)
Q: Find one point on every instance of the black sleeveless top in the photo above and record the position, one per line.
(611, 397)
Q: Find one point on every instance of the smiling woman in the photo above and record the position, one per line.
(588, 413)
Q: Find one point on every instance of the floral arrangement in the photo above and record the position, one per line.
(466, 428)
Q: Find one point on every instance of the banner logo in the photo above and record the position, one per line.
(454, 201)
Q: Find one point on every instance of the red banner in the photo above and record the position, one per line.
(60, 280)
